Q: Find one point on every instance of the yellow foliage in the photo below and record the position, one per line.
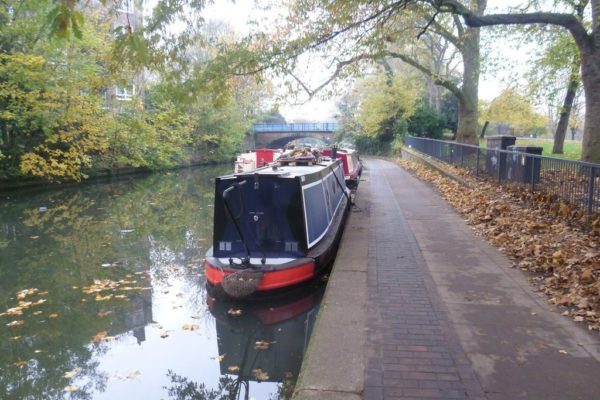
(513, 109)
(384, 100)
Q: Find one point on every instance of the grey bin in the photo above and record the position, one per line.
(496, 161)
(521, 167)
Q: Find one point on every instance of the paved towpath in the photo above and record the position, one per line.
(420, 307)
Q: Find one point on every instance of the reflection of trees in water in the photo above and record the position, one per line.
(184, 389)
(62, 248)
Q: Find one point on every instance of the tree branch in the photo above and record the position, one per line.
(437, 79)
(568, 21)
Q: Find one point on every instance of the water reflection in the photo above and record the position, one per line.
(102, 294)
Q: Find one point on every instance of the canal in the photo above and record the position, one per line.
(102, 296)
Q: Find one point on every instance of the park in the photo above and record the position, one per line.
(426, 225)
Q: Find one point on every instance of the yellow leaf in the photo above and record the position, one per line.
(53, 316)
(260, 375)
(71, 388)
(233, 368)
(99, 336)
(20, 363)
(190, 327)
(234, 312)
(14, 324)
(218, 358)
(71, 374)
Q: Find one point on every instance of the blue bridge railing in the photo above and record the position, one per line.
(299, 127)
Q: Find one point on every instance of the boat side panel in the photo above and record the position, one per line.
(321, 201)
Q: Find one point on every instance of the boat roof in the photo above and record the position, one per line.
(290, 171)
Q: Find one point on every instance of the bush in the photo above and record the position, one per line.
(426, 122)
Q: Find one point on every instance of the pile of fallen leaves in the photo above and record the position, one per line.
(540, 233)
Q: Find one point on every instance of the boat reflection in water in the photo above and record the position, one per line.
(265, 341)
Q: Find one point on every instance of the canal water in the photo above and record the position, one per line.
(102, 296)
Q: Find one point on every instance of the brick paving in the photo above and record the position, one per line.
(412, 351)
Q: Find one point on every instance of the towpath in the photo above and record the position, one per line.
(419, 307)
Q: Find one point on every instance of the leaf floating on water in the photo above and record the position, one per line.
(71, 388)
(261, 345)
(14, 311)
(14, 338)
(233, 312)
(99, 336)
(103, 314)
(37, 303)
(20, 363)
(133, 375)
(218, 358)
(34, 237)
(190, 327)
(14, 324)
(260, 375)
(26, 292)
(72, 373)
(53, 316)
(105, 265)
(103, 298)
(164, 334)
(563, 352)
(126, 230)
(233, 368)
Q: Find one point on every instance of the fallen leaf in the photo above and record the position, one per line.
(34, 237)
(261, 345)
(133, 375)
(190, 327)
(14, 324)
(53, 316)
(164, 334)
(20, 363)
(71, 388)
(218, 358)
(260, 375)
(233, 368)
(234, 312)
(103, 314)
(99, 336)
(563, 352)
(72, 373)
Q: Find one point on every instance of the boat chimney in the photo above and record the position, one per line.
(334, 149)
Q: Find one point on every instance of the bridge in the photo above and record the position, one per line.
(275, 136)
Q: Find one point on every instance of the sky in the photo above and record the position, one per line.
(238, 13)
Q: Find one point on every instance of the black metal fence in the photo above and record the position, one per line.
(576, 182)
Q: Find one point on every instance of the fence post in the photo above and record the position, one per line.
(533, 160)
(477, 164)
(591, 190)
(461, 156)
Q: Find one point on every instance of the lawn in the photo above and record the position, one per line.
(572, 149)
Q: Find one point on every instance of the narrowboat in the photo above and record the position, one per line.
(276, 227)
(351, 163)
(251, 160)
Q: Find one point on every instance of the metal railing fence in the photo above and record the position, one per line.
(300, 127)
(576, 182)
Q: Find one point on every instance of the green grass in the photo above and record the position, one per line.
(571, 149)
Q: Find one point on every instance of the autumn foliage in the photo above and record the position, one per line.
(559, 245)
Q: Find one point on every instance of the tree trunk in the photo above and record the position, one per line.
(565, 112)
(590, 76)
(467, 107)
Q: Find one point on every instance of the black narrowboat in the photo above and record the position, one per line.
(276, 227)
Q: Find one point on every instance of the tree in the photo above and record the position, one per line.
(513, 110)
(587, 39)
